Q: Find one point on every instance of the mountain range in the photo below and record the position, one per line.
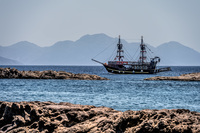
(6, 61)
(98, 46)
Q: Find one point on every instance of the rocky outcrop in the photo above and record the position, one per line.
(66, 117)
(49, 74)
(183, 77)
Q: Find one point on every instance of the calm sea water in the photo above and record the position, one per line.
(121, 92)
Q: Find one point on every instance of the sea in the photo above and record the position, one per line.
(122, 92)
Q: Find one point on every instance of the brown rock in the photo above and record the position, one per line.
(183, 77)
(48, 74)
(66, 117)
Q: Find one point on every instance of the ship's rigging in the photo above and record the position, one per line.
(140, 65)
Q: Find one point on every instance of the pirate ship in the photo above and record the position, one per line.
(142, 66)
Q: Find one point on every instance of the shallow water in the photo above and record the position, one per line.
(121, 92)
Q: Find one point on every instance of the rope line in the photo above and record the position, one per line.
(104, 49)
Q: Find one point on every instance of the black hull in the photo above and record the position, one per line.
(128, 71)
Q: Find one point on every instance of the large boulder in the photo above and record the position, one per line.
(66, 117)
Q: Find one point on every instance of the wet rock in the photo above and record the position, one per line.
(183, 77)
(66, 117)
(48, 74)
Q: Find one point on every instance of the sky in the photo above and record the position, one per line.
(45, 22)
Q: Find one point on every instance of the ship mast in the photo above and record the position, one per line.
(120, 50)
(142, 51)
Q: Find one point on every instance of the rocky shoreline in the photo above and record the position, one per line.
(183, 77)
(66, 117)
(9, 73)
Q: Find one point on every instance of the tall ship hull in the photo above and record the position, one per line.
(120, 69)
(142, 66)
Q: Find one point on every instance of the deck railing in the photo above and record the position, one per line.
(128, 63)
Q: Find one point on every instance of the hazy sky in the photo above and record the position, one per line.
(45, 22)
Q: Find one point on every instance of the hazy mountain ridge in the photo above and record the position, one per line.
(81, 51)
(174, 53)
(23, 52)
(6, 61)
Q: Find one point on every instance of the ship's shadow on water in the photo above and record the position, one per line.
(121, 92)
